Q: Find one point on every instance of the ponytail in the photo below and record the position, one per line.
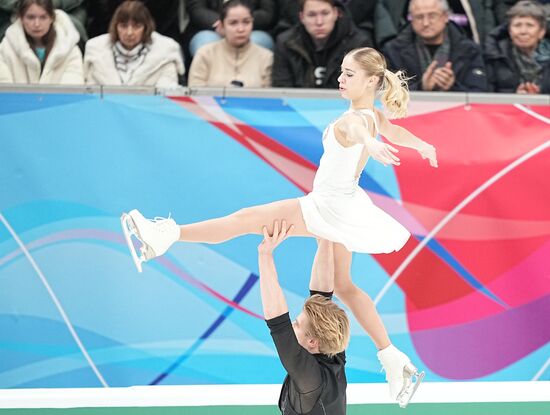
(395, 93)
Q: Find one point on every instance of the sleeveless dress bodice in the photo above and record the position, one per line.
(337, 172)
(339, 210)
(338, 165)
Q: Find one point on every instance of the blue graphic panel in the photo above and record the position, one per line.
(70, 297)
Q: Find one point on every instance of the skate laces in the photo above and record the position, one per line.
(381, 364)
(161, 222)
(383, 369)
(158, 219)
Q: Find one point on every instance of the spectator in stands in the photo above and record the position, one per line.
(132, 53)
(501, 7)
(309, 54)
(233, 60)
(76, 10)
(518, 54)
(205, 24)
(475, 17)
(40, 47)
(435, 52)
(164, 13)
(361, 11)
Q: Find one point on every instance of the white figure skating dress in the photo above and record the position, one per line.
(337, 209)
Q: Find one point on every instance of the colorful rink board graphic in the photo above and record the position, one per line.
(468, 297)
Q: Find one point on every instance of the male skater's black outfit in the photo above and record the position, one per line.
(315, 384)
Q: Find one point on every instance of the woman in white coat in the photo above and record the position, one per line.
(40, 47)
(132, 53)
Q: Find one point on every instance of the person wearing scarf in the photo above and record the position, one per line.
(518, 53)
(128, 60)
(132, 53)
(435, 53)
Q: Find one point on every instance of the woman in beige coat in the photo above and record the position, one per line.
(233, 60)
(132, 53)
(40, 47)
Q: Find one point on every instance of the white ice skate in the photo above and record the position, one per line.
(154, 235)
(403, 377)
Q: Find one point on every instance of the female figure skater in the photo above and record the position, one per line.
(337, 209)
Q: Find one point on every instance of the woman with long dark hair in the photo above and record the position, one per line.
(40, 47)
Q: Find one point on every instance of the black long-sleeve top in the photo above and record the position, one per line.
(315, 384)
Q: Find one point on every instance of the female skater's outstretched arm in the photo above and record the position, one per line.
(351, 128)
(403, 137)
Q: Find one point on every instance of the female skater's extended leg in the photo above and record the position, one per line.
(157, 235)
(246, 221)
(400, 372)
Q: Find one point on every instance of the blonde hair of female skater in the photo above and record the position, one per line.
(337, 209)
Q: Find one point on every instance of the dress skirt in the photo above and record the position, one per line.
(352, 220)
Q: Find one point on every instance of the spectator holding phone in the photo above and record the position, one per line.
(435, 52)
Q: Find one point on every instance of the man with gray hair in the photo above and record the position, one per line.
(435, 52)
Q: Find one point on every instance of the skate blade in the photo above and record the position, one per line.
(129, 229)
(407, 394)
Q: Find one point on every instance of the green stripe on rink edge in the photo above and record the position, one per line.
(485, 408)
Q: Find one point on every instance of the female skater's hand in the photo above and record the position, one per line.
(427, 151)
(382, 152)
(271, 242)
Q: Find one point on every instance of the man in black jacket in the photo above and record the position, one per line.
(309, 54)
(312, 348)
(435, 53)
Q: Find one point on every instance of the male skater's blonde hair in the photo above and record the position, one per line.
(393, 86)
(328, 323)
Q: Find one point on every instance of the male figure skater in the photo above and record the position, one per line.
(312, 348)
